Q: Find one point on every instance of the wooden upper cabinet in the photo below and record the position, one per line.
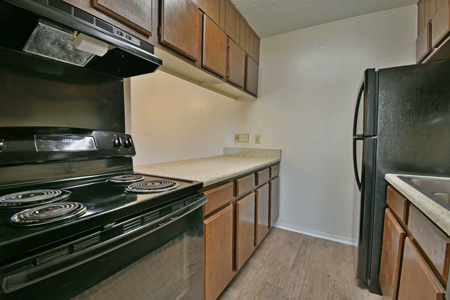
(251, 76)
(236, 64)
(238, 24)
(211, 8)
(181, 27)
(230, 24)
(262, 213)
(257, 48)
(222, 12)
(250, 42)
(391, 256)
(243, 34)
(423, 43)
(218, 241)
(417, 280)
(214, 47)
(245, 229)
(274, 204)
(440, 23)
(136, 14)
(420, 16)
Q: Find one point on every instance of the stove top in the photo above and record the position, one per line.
(60, 209)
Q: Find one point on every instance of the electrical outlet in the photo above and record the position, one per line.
(236, 138)
(257, 139)
(243, 137)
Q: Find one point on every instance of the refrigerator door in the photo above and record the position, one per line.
(365, 118)
(364, 151)
(413, 134)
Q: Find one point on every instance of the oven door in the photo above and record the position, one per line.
(159, 260)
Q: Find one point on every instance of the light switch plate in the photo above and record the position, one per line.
(243, 137)
(257, 139)
(236, 138)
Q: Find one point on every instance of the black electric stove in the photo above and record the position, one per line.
(104, 201)
(68, 196)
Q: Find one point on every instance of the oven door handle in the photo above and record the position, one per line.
(30, 274)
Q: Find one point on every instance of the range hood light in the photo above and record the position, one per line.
(90, 45)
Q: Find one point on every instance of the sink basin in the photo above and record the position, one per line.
(444, 196)
(437, 190)
(440, 186)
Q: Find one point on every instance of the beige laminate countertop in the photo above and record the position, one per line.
(436, 213)
(208, 170)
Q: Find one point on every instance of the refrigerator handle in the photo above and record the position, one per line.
(358, 103)
(355, 160)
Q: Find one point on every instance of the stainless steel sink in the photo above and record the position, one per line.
(437, 190)
(439, 186)
(443, 196)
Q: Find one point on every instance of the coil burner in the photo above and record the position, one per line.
(129, 178)
(32, 198)
(49, 213)
(152, 186)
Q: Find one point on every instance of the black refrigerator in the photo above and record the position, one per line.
(401, 125)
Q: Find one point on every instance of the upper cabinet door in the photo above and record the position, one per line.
(214, 48)
(236, 64)
(230, 26)
(180, 27)
(136, 14)
(211, 8)
(251, 76)
(251, 43)
(256, 50)
(242, 33)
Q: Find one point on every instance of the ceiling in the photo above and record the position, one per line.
(272, 17)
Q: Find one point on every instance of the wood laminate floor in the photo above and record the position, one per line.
(290, 265)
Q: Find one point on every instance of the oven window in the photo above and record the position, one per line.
(161, 274)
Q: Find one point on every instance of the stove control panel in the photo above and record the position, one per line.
(56, 144)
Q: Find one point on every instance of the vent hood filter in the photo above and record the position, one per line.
(53, 43)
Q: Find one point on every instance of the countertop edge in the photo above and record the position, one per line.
(206, 182)
(436, 213)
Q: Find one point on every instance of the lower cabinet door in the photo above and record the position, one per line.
(391, 255)
(417, 280)
(245, 229)
(218, 238)
(274, 185)
(262, 216)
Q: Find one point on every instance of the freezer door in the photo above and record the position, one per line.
(365, 118)
(366, 209)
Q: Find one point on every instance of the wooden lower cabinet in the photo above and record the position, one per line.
(218, 239)
(245, 229)
(262, 213)
(417, 280)
(393, 239)
(274, 187)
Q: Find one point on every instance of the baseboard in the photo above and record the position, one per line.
(319, 234)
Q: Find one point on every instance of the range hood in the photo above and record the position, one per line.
(56, 30)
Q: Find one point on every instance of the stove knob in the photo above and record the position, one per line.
(117, 142)
(2, 145)
(128, 143)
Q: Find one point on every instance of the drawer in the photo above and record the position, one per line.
(274, 171)
(262, 176)
(434, 243)
(397, 203)
(245, 184)
(218, 197)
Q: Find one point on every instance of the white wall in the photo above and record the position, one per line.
(308, 86)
